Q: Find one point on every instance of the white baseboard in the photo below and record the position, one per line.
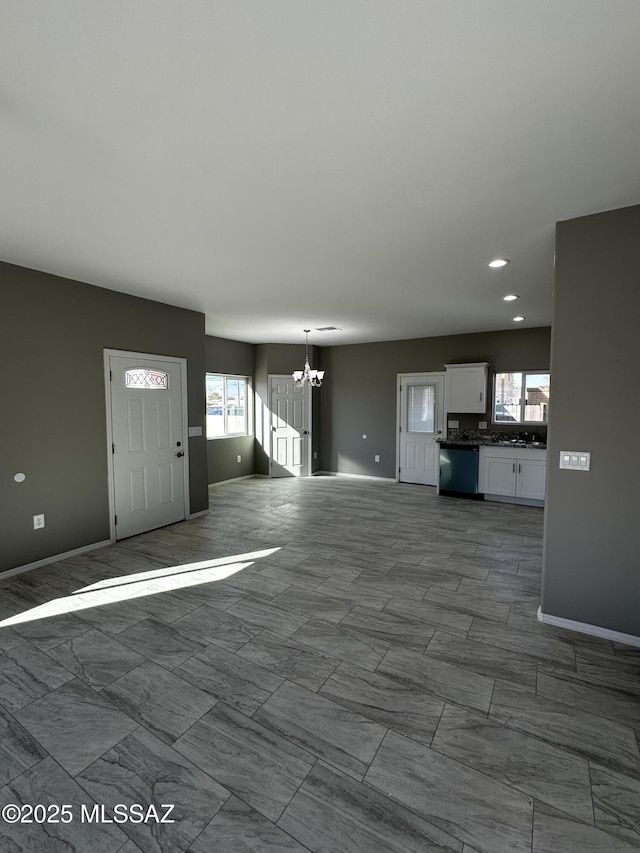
(354, 476)
(233, 480)
(56, 558)
(586, 628)
(507, 499)
(197, 514)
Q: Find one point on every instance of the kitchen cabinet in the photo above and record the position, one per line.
(499, 476)
(530, 478)
(518, 473)
(466, 387)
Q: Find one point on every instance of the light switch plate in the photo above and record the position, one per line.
(453, 424)
(575, 460)
(194, 431)
(482, 424)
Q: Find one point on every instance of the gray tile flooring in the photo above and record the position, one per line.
(326, 664)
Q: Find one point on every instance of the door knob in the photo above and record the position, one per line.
(305, 432)
(180, 453)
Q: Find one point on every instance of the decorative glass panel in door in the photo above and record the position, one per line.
(421, 408)
(143, 377)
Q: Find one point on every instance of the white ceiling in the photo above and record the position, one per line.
(283, 164)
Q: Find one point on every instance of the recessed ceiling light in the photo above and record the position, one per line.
(510, 297)
(499, 262)
(519, 319)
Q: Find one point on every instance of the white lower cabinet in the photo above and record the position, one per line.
(530, 478)
(499, 476)
(513, 472)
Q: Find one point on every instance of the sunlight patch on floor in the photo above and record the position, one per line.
(220, 563)
(128, 587)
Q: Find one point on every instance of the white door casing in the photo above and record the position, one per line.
(147, 441)
(290, 426)
(420, 407)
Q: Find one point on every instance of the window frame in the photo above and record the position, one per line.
(522, 422)
(248, 431)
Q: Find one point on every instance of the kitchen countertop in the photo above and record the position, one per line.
(470, 442)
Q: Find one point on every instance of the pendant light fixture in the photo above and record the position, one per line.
(312, 377)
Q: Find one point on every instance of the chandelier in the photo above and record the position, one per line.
(313, 377)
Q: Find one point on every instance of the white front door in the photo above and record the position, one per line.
(148, 441)
(289, 408)
(421, 416)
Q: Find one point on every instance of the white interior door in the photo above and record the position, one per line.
(290, 412)
(148, 442)
(421, 417)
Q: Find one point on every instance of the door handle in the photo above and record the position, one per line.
(180, 453)
(513, 468)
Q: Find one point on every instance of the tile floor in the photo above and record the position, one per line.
(328, 665)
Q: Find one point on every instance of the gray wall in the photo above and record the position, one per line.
(359, 393)
(225, 356)
(53, 419)
(591, 556)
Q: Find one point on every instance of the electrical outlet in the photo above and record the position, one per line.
(482, 424)
(315, 454)
(238, 458)
(376, 458)
(453, 424)
(38, 521)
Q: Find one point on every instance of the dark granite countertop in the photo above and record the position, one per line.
(488, 442)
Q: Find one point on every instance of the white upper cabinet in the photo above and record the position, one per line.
(466, 387)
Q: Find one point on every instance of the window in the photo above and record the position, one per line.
(421, 408)
(142, 377)
(227, 405)
(521, 398)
